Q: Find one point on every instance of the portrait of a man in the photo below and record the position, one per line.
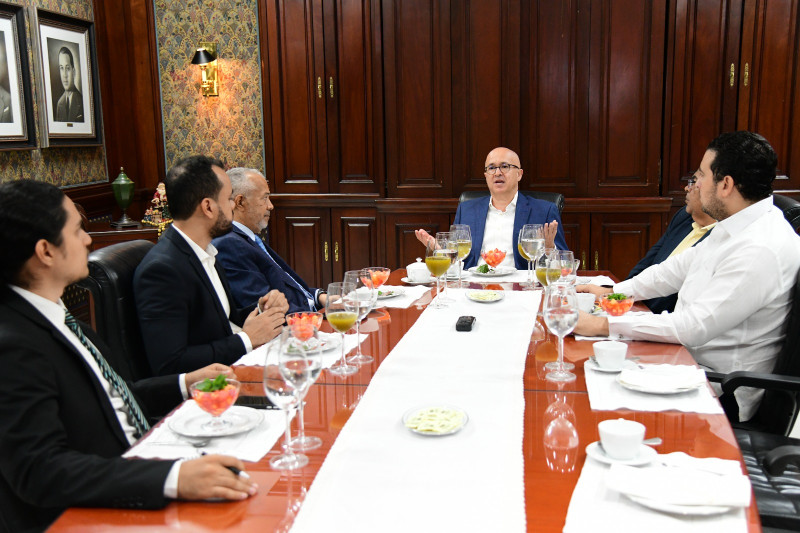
(6, 112)
(69, 107)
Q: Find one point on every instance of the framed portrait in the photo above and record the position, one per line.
(16, 105)
(70, 109)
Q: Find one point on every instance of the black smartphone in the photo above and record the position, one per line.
(464, 323)
(256, 402)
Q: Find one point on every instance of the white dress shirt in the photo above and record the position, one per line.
(499, 232)
(207, 258)
(734, 295)
(55, 313)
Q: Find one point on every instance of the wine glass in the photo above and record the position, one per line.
(450, 250)
(282, 378)
(438, 258)
(365, 296)
(304, 337)
(463, 237)
(559, 265)
(341, 312)
(561, 316)
(530, 245)
(541, 266)
(215, 402)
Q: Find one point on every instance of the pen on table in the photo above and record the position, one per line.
(241, 473)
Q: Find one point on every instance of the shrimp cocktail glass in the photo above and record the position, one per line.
(215, 396)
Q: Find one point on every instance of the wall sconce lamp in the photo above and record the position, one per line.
(206, 57)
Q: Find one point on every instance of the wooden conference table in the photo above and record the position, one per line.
(548, 483)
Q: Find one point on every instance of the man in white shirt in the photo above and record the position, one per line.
(495, 220)
(735, 287)
(186, 313)
(65, 415)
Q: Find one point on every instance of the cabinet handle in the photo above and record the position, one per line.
(336, 251)
(733, 74)
(596, 260)
(319, 87)
(330, 85)
(326, 250)
(746, 74)
(583, 260)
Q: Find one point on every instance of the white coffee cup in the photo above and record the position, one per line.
(621, 439)
(418, 272)
(586, 301)
(610, 354)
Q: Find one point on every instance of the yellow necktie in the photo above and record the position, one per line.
(690, 240)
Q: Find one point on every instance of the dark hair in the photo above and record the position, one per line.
(29, 211)
(66, 51)
(189, 181)
(749, 159)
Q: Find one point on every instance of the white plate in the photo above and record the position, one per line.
(328, 341)
(241, 418)
(391, 293)
(591, 365)
(496, 273)
(485, 296)
(682, 510)
(646, 455)
(408, 281)
(658, 390)
(457, 411)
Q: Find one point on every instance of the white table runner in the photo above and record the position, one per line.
(378, 476)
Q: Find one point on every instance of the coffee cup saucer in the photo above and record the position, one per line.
(592, 365)
(646, 455)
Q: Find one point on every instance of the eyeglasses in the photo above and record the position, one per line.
(691, 181)
(504, 168)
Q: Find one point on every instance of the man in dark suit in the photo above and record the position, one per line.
(69, 107)
(488, 217)
(187, 316)
(688, 227)
(252, 267)
(65, 415)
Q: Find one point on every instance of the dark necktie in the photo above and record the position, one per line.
(307, 294)
(134, 411)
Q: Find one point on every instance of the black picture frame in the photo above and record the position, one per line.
(17, 123)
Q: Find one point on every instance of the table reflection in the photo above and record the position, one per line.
(560, 438)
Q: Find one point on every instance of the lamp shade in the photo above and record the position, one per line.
(202, 56)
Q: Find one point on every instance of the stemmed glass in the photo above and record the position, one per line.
(378, 275)
(215, 402)
(541, 266)
(530, 245)
(365, 296)
(559, 266)
(284, 375)
(304, 337)
(450, 249)
(561, 316)
(341, 311)
(461, 234)
(438, 258)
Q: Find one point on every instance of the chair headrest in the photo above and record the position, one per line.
(790, 208)
(552, 197)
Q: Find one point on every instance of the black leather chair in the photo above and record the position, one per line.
(790, 208)
(110, 281)
(552, 197)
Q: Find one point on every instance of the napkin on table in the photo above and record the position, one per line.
(664, 377)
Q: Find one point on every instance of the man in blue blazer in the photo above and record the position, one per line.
(688, 227)
(187, 316)
(252, 267)
(489, 218)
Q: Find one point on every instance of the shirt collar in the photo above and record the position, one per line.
(698, 227)
(247, 231)
(738, 222)
(52, 311)
(203, 255)
(512, 204)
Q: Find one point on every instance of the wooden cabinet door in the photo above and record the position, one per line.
(355, 239)
(625, 93)
(620, 240)
(301, 236)
(769, 82)
(577, 233)
(400, 244)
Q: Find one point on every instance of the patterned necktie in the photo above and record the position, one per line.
(135, 414)
(307, 294)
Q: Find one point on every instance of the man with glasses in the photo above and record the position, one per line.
(735, 289)
(688, 227)
(495, 220)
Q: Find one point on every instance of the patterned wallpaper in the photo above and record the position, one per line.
(229, 126)
(60, 166)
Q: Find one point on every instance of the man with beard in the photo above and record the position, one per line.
(252, 267)
(734, 288)
(187, 316)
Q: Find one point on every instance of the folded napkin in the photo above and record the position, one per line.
(163, 443)
(594, 280)
(682, 485)
(663, 377)
(411, 295)
(329, 357)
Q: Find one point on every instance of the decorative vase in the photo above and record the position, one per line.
(123, 189)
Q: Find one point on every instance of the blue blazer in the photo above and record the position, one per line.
(679, 227)
(252, 275)
(529, 211)
(183, 324)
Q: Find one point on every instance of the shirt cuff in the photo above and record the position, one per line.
(182, 385)
(248, 346)
(171, 483)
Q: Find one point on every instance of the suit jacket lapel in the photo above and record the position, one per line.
(478, 227)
